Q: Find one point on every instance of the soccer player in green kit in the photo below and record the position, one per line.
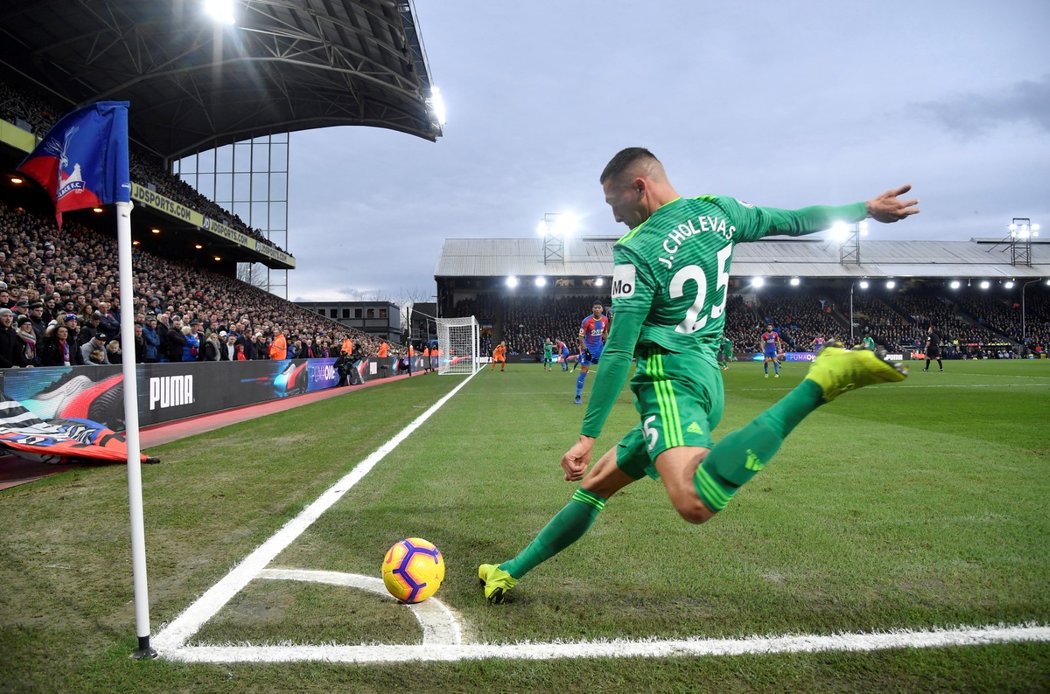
(868, 342)
(725, 353)
(669, 290)
(548, 354)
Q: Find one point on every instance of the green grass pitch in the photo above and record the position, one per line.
(906, 506)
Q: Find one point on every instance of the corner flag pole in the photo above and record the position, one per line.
(83, 162)
(131, 431)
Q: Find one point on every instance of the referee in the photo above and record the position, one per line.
(933, 348)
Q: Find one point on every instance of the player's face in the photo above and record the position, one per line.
(627, 202)
(597, 310)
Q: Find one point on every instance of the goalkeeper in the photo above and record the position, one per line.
(669, 291)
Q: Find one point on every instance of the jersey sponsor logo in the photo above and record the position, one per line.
(745, 204)
(623, 281)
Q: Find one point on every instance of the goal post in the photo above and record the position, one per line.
(458, 343)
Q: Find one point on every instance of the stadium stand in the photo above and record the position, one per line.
(75, 271)
(35, 114)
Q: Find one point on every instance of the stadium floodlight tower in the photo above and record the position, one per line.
(1022, 231)
(847, 236)
(556, 228)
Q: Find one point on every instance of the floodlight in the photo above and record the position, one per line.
(218, 258)
(220, 11)
(863, 284)
(890, 284)
(565, 224)
(512, 282)
(17, 181)
(954, 284)
(437, 105)
(1009, 284)
(541, 281)
(795, 281)
(757, 282)
(985, 284)
(862, 227)
(599, 282)
(839, 232)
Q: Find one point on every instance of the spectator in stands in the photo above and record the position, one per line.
(229, 348)
(198, 335)
(192, 344)
(259, 348)
(212, 347)
(140, 343)
(279, 346)
(175, 341)
(36, 315)
(91, 326)
(57, 349)
(113, 352)
(97, 342)
(151, 340)
(12, 350)
(73, 326)
(28, 336)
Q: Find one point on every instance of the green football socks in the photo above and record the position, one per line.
(739, 456)
(566, 527)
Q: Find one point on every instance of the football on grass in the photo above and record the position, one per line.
(413, 570)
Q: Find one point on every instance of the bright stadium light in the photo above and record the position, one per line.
(890, 284)
(863, 284)
(795, 281)
(985, 284)
(540, 281)
(839, 232)
(1009, 284)
(220, 11)
(437, 105)
(954, 284)
(758, 282)
(600, 281)
(512, 282)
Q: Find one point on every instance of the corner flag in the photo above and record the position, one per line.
(83, 161)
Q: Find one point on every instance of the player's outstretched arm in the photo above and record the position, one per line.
(888, 207)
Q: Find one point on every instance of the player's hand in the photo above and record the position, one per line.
(577, 458)
(887, 208)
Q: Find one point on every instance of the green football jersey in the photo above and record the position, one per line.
(869, 343)
(548, 349)
(671, 280)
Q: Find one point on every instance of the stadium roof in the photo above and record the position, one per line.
(194, 84)
(768, 258)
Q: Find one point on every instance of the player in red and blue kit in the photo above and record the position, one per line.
(771, 346)
(563, 355)
(593, 331)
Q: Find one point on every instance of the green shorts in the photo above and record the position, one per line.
(679, 398)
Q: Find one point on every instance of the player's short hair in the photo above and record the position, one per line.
(625, 159)
(598, 304)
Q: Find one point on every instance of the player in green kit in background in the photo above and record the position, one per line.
(548, 354)
(725, 353)
(868, 342)
(669, 291)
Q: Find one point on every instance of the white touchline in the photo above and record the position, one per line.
(175, 634)
(618, 648)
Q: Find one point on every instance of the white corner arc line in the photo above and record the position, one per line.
(437, 620)
(619, 648)
(180, 629)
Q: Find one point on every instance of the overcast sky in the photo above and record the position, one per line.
(778, 103)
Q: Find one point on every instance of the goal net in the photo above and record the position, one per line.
(458, 343)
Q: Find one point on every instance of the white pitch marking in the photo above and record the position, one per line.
(437, 620)
(618, 648)
(183, 627)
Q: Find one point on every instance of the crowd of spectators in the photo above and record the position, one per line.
(66, 285)
(38, 116)
(972, 327)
